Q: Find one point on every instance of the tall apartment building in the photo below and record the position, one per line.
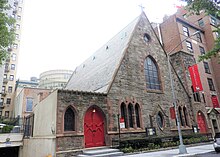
(208, 24)
(183, 43)
(10, 67)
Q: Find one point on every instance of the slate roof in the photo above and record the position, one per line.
(97, 72)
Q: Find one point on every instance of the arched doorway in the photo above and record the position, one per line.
(201, 122)
(94, 132)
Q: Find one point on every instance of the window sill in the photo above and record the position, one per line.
(182, 128)
(130, 130)
(154, 91)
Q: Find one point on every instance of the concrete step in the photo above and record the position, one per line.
(103, 152)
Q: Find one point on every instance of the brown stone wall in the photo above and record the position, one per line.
(129, 85)
(80, 102)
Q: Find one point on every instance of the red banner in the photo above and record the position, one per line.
(195, 78)
(215, 101)
(172, 113)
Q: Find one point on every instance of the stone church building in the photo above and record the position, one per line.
(126, 80)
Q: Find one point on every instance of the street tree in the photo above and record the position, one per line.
(7, 31)
(210, 7)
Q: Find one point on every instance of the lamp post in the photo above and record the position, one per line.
(182, 147)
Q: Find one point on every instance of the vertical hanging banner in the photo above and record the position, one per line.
(215, 101)
(172, 113)
(195, 78)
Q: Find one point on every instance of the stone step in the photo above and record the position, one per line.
(101, 152)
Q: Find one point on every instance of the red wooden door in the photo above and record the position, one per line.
(201, 123)
(94, 128)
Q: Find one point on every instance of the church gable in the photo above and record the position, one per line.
(144, 54)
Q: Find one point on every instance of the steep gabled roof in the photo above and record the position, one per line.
(97, 72)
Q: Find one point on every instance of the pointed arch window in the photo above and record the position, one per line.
(124, 114)
(130, 115)
(160, 120)
(69, 120)
(185, 116)
(151, 74)
(137, 112)
(180, 116)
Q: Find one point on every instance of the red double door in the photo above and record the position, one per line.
(201, 122)
(94, 128)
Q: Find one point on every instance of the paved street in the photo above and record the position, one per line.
(174, 152)
(210, 154)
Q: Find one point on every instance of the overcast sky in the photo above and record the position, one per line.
(62, 34)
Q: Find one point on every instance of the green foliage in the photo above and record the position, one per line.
(7, 129)
(144, 144)
(7, 31)
(211, 7)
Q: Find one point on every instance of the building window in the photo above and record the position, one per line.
(137, 114)
(12, 66)
(203, 97)
(160, 120)
(2, 101)
(185, 116)
(19, 17)
(17, 26)
(8, 101)
(20, 9)
(69, 120)
(13, 57)
(127, 113)
(6, 114)
(206, 66)
(151, 74)
(211, 84)
(29, 104)
(9, 89)
(146, 37)
(17, 36)
(196, 95)
(11, 78)
(216, 34)
(0, 113)
(15, 46)
(199, 38)
(213, 21)
(130, 115)
(201, 22)
(5, 76)
(202, 50)
(180, 116)
(123, 114)
(3, 89)
(185, 31)
(189, 46)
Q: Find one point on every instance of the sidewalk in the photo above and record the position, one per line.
(191, 151)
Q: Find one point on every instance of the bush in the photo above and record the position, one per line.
(128, 150)
(140, 144)
(7, 129)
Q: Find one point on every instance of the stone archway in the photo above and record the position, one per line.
(94, 124)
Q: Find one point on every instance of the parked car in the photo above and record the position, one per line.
(16, 129)
(2, 125)
(217, 142)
